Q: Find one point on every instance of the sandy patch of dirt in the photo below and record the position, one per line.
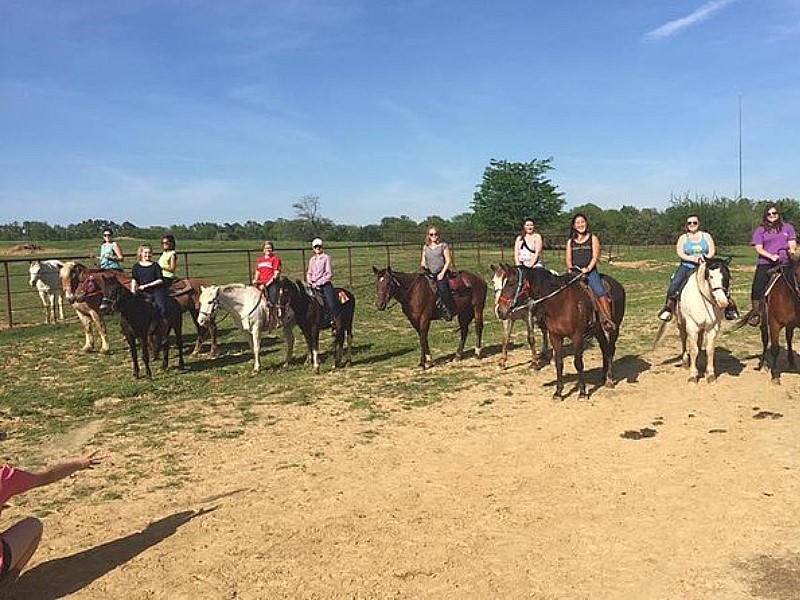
(497, 492)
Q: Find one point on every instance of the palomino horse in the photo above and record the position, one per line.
(416, 294)
(249, 309)
(521, 313)
(45, 276)
(141, 321)
(310, 315)
(699, 314)
(84, 294)
(568, 310)
(781, 308)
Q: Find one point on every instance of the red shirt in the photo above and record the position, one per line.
(266, 268)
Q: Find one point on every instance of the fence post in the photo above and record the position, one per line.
(350, 262)
(8, 296)
(388, 256)
(185, 263)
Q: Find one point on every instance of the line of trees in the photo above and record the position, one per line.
(508, 193)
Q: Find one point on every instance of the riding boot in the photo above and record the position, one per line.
(669, 308)
(604, 306)
(732, 312)
(755, 314)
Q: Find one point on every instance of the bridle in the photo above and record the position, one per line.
(523, 286)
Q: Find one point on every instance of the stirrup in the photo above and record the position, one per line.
(731, 314)
(754, 320)
(665, 316)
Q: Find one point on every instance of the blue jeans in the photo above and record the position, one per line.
(595, 283)
(678, 279)
(330, 298)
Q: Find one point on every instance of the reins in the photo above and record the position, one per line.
(537, 301)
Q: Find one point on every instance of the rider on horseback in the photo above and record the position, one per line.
(437, 260)
(775, 242)
(320, 274)
(268, 271)
(692, 248)
(583, 254)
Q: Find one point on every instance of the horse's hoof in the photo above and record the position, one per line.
(711, 379)
(757, 368)
(87, 349)
(775, 381)
(557, 397)
(582, 396)
(692, 379)
(610, 384)
(105, 351)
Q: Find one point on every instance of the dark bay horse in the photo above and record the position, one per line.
(781, 310)
(310, 315)
(416, 294)
(568, 310)
(141, 322)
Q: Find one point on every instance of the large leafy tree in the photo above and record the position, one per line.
(513, 191)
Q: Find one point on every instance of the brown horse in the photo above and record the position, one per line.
(781, 309)
(522, 313)
(416, 293)
(83, 292)
(568, 310)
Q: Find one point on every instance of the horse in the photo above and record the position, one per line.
(141, 321)
(567, 310)
(699, 313)
(499, 274)
(781, 309)
(186, 293)
(82, 290)
(44, 275)
(416, 293)
(249, 310)
(76, 278)
(310, 314)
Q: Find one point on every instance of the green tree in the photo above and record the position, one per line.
(513, 191)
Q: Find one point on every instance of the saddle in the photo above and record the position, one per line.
(457, 283)
(179, 287)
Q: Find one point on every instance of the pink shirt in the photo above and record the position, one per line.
(319, 271)
(12, 482)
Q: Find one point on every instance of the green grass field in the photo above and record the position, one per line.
(49, 386)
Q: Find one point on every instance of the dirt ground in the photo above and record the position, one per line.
(494, 493)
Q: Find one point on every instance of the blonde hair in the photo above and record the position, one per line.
(141, 249)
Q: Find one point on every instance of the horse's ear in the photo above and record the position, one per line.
(728, 260)
(374, 270)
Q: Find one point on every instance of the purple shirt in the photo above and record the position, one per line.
(320, 270)
(774, 242)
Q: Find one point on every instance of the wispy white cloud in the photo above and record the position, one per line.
(699, 15)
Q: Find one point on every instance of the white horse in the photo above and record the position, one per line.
(522, 313)
(44, 276)
(699, 314)
(248, 307)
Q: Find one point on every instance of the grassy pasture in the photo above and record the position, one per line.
(50, 387)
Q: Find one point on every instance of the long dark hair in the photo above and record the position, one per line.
(572, 231)
(170, 239)
(522, 231)
(765, 223)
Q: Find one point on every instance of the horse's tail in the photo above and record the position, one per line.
(662, 329)
(742, 321)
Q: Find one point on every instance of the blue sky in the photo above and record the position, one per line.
(164, 112)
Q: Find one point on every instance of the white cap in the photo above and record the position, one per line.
(316, 242)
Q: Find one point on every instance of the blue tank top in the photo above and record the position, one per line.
(691, 248)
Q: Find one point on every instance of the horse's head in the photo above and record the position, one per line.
(286, 289)
(499, 276)
(511, 290)
(385, 285)
(209, 304)
(112, 290)
(34, 271)
(718, 275)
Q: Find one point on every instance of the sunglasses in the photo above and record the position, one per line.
(773, 213)
(433, 235)
(693, 222)
(106, 235)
